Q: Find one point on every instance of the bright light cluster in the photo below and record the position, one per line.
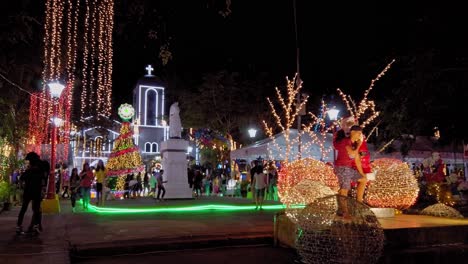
(320, 123)
(97, 58)
(441, 210)
(441, 192)
(125, 157)
(325, 236)
(364, 113)
(290, 109)
(395, 186)
(304, 171)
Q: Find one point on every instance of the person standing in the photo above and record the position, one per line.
(87, 177)
(260, 183)
(65, 182)
(160, 183)
(74, 187)
(100, 179)
(146, 186)
(32, 180)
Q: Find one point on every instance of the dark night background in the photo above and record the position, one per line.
(342, 45)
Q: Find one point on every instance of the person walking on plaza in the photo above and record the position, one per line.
(100, 179)
(74, 187)
(32, 180)
(87, 177)
(65, 181)
(260, 183)
(160, 182)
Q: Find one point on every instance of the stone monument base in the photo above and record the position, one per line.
(174, 164)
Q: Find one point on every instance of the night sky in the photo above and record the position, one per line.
(342, 45)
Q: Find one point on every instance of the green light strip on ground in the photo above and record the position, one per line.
(181, 209)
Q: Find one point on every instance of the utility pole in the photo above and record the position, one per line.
(298, 82)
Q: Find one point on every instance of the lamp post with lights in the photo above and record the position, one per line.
(55, 90)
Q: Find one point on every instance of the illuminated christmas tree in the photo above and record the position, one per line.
(125, 157)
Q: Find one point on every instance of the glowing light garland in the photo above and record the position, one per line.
(294, 173)
(395, 186)
(366, 105)
(97, 60)
(290, 110)
(326, 237)
(125, 157)
(323, 128)
(441, 210)
(183, 209)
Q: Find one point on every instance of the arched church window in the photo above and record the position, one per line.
(147, 147)
(151, 108)
(154, 147)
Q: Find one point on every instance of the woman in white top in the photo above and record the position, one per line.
(260, 182)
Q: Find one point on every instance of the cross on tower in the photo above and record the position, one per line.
(149, 68)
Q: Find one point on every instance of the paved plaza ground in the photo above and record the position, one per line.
(161, 235)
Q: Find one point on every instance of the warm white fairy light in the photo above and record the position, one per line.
(321, 138)
(97, 65)
(290, 110)
(365, 105)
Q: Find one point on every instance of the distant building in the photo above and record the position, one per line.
(150, 120)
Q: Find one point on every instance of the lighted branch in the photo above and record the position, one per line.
(364, 112)
(290, 111)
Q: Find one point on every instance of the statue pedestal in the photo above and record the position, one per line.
(174, 164)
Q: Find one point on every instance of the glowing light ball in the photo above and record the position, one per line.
(441, 210)
(326, 236)
(441, 192)
(304, 169)
(395, 186)
(306, 192)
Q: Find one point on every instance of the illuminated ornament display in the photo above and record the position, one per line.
(125, 157)
(441, 210)
(441, 192)
(395, 186)
(305, 192)
(126, 112)
(303, 171)
(325, 236)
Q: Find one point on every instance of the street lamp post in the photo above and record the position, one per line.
(333, 116)
(55, 90)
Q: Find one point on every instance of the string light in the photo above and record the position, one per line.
(394, 186)
(307, 169)
(325, 236)
(441, 210)
(97, 62)
(290, 110)
(125, 157)
(365, 105)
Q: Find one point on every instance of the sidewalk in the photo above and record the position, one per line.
(85, 234)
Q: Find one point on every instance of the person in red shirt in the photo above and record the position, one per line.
(348, 166)
(87, 177)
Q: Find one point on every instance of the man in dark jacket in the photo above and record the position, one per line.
(33, 181)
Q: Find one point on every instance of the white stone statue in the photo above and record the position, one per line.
(175, 126)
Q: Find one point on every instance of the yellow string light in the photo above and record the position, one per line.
(97, 61)
(394, 186)
(307, 169)
(365, 105)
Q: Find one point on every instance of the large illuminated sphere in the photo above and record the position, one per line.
(305, 192)
(325, 236)
(304, 169)
(441, 210)
(394, 186)
(126, 111)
